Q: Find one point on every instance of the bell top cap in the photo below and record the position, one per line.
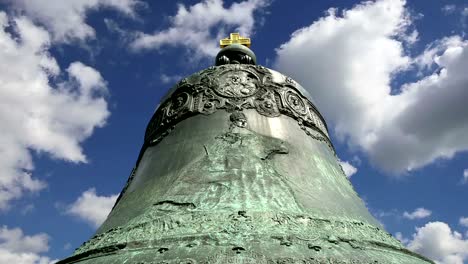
(235, 50)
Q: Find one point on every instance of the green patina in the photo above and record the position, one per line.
(237, 167)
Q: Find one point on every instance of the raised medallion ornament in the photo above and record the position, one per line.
(237, 84)
(296, 103)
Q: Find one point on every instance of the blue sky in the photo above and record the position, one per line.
(80, 79)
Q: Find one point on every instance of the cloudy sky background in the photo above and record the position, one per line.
(80, 79)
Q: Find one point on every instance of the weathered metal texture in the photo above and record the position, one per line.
(237, 167)
(235, 54)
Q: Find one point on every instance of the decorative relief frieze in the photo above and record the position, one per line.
(234, 88)
(237, 84)
(234, 229)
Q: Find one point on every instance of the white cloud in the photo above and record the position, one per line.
(15, 247)
(464, 221)
(36, 114)
(67, 19)
(437, 241)
(27, 209)
(417, 214)
(411, 38)
(465, 176)
(191, 26)
(67, 246)
(14, 240)
(464, 12)
(403, 240)
(428, 59)
(92, 208)
(448, 9)
(348, 62)
(170, 79)
(348, 169)
(389, 213)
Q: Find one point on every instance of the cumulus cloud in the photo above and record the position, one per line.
(67, 19)
(437, 241)
(348, 61)
(37, 112)
(191, 26)
(464, 221)
(92, 208)
(348, 169)
(15, 247)
(417, 214)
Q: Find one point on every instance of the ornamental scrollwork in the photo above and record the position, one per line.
(234, 88)
(267, 104)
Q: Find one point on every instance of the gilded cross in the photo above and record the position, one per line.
(235, 38)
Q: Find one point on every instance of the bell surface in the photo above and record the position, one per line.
(237, 167)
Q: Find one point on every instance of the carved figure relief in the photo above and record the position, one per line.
(178, 102)
(211, 182)
(237, 84)
(238, 119)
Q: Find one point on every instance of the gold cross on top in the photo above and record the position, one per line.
(235, 38)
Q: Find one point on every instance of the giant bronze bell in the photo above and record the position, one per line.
(237, 167)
